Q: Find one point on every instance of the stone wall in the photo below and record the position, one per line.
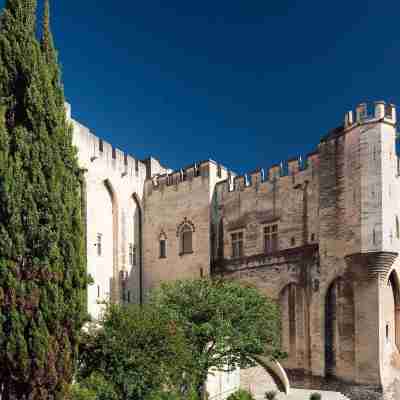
(173, 202)
(114, 183)
(335, 267)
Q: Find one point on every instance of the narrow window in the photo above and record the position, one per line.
(312, 237)
(99, 244)
(163, 248)
(373, 236)
(129, 296)
(219, 171)
(132, 254)
(397, 228)
(98, 291)
(387, 332)
(101, 146)
(201, 273)
(237, 245)
(186, 240)
(221, 239)
(271, 238)
(293, 241)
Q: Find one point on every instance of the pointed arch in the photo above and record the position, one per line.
(339, 328)
(138, 226)
(393, 332)
(115, 229)
(293, 309)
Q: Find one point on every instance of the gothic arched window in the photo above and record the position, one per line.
(186, 240)
(185, 235)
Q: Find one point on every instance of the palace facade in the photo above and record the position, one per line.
(320, 235)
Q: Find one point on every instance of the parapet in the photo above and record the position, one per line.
(199, 170)
(293, 167)
(93, 149)
(378, 111)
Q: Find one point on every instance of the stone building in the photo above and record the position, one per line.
(319, 235)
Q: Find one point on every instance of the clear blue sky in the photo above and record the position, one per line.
(247, 83)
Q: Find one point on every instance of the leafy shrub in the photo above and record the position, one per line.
(162, 395)
(271, 394)
(94, 387)
(241, 395)
(79, 392)
(315, 396)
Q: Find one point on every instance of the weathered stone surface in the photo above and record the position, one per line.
(333, 266)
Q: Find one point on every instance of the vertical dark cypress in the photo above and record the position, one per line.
(42, 267)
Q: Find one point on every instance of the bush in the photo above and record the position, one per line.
(271, 394)
(95, 387)
(161, 395)
(241, 395)
(315, 396)
(79, 392)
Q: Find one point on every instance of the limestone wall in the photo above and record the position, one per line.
(171, 202)
(114, 183)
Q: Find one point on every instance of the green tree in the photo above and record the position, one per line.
(226, 323)
(137, 351)
(42, 264)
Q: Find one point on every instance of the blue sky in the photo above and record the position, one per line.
(247, 83)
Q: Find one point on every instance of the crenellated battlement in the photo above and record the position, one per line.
(94, 150)
(198, 171)
(294, 167)
(369, 112)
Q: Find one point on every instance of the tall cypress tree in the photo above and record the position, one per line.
(42, 264)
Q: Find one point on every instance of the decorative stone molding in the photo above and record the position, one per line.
(378, 263)
(185, 222)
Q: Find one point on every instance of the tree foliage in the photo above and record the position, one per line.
(227, 323)
(42, 264)
(137, 351)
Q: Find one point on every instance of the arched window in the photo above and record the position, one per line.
(184, 233)
(186, 240)
(397, 228)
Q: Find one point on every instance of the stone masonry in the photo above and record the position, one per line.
(321, 236)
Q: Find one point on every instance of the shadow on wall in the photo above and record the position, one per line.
(131, 276)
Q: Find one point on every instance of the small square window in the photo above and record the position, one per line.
(99, 244)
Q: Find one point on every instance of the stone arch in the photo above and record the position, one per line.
(184, 233)
(293, 308)
(265, 375)
(340, 329)
(114, 295)
(138, 227)
(392, 309)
